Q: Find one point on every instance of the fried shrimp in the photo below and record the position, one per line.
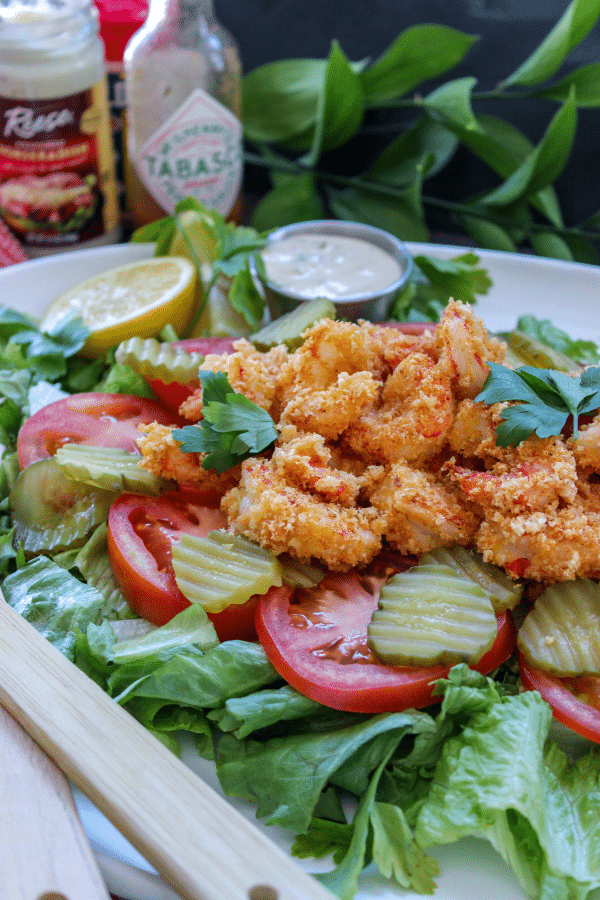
(412, 419)
(162, 456)
(535, 476)
(330, 411)
(272, 507)
(555, 545)
(464, 348)
(586, 449)
(382, 444)
(473, 431)
(248, 371)
(330, 349)
(421, 512)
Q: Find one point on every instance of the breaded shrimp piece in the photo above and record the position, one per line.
(537, 475)
(161, 455)
(558, 545)
(330, 411)
(464, 347)
(304, 462)
(421, 512)
(249, 372)
(586, 449)
(473, 431)
(394, 345)
(412, 419)
(271, 507)
(329, 349)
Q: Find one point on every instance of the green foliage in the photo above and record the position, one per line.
(544, 399)
(232, 427)
(297, 111)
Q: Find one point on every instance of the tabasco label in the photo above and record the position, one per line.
(197, 153)
(57, 181)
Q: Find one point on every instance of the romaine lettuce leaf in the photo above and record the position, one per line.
(56, 603)
(498, 778)
(285, 776)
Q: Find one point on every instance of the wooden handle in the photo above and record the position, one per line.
(43, 847)
(198, 842)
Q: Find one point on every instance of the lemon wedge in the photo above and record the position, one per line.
(138, 298)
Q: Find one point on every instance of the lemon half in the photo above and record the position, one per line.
(138, 298)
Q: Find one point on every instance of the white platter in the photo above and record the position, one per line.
(566, 293)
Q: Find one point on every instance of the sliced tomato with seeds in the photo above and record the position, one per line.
(140, 535)
(575, 701)
(101, 420)
(317, 640)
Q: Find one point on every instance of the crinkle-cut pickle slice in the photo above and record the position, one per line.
(504, 592)
(222, 569)
(109, 468)
(156, 361)
(431, 615)
(561, 634)
(51, 512)
(289, 328)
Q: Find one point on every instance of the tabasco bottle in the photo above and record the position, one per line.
(183, 129)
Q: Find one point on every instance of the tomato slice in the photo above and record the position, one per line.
(317, 641)
(173, 394)
(103, 420)
(140, 532)
(560, 693)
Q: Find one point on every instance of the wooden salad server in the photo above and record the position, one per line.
(201, 845)
(43, 848)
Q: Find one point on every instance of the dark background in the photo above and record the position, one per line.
(509, 30)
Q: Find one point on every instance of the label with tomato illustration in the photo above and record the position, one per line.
(197, 153)
(57, 180)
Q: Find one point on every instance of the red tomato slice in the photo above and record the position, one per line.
(102, 420)
(584, 718)
(173, 394)
(317, 641)
(140, 531)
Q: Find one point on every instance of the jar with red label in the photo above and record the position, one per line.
(57, 173)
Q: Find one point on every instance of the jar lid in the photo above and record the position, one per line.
(44, 23)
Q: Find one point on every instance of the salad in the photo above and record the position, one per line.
(366, 788)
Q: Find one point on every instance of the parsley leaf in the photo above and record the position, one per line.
(434, 281)
(544, 400)
(233, 427)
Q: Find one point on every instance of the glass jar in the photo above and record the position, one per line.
(183, 132)
(57, 177)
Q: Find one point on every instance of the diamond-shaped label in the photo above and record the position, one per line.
(197, 153)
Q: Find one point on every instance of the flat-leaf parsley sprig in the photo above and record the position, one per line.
(544, 399)
(233, 427)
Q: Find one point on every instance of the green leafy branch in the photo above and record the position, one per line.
(297, 111)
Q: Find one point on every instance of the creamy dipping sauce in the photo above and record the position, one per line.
(313, 265)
